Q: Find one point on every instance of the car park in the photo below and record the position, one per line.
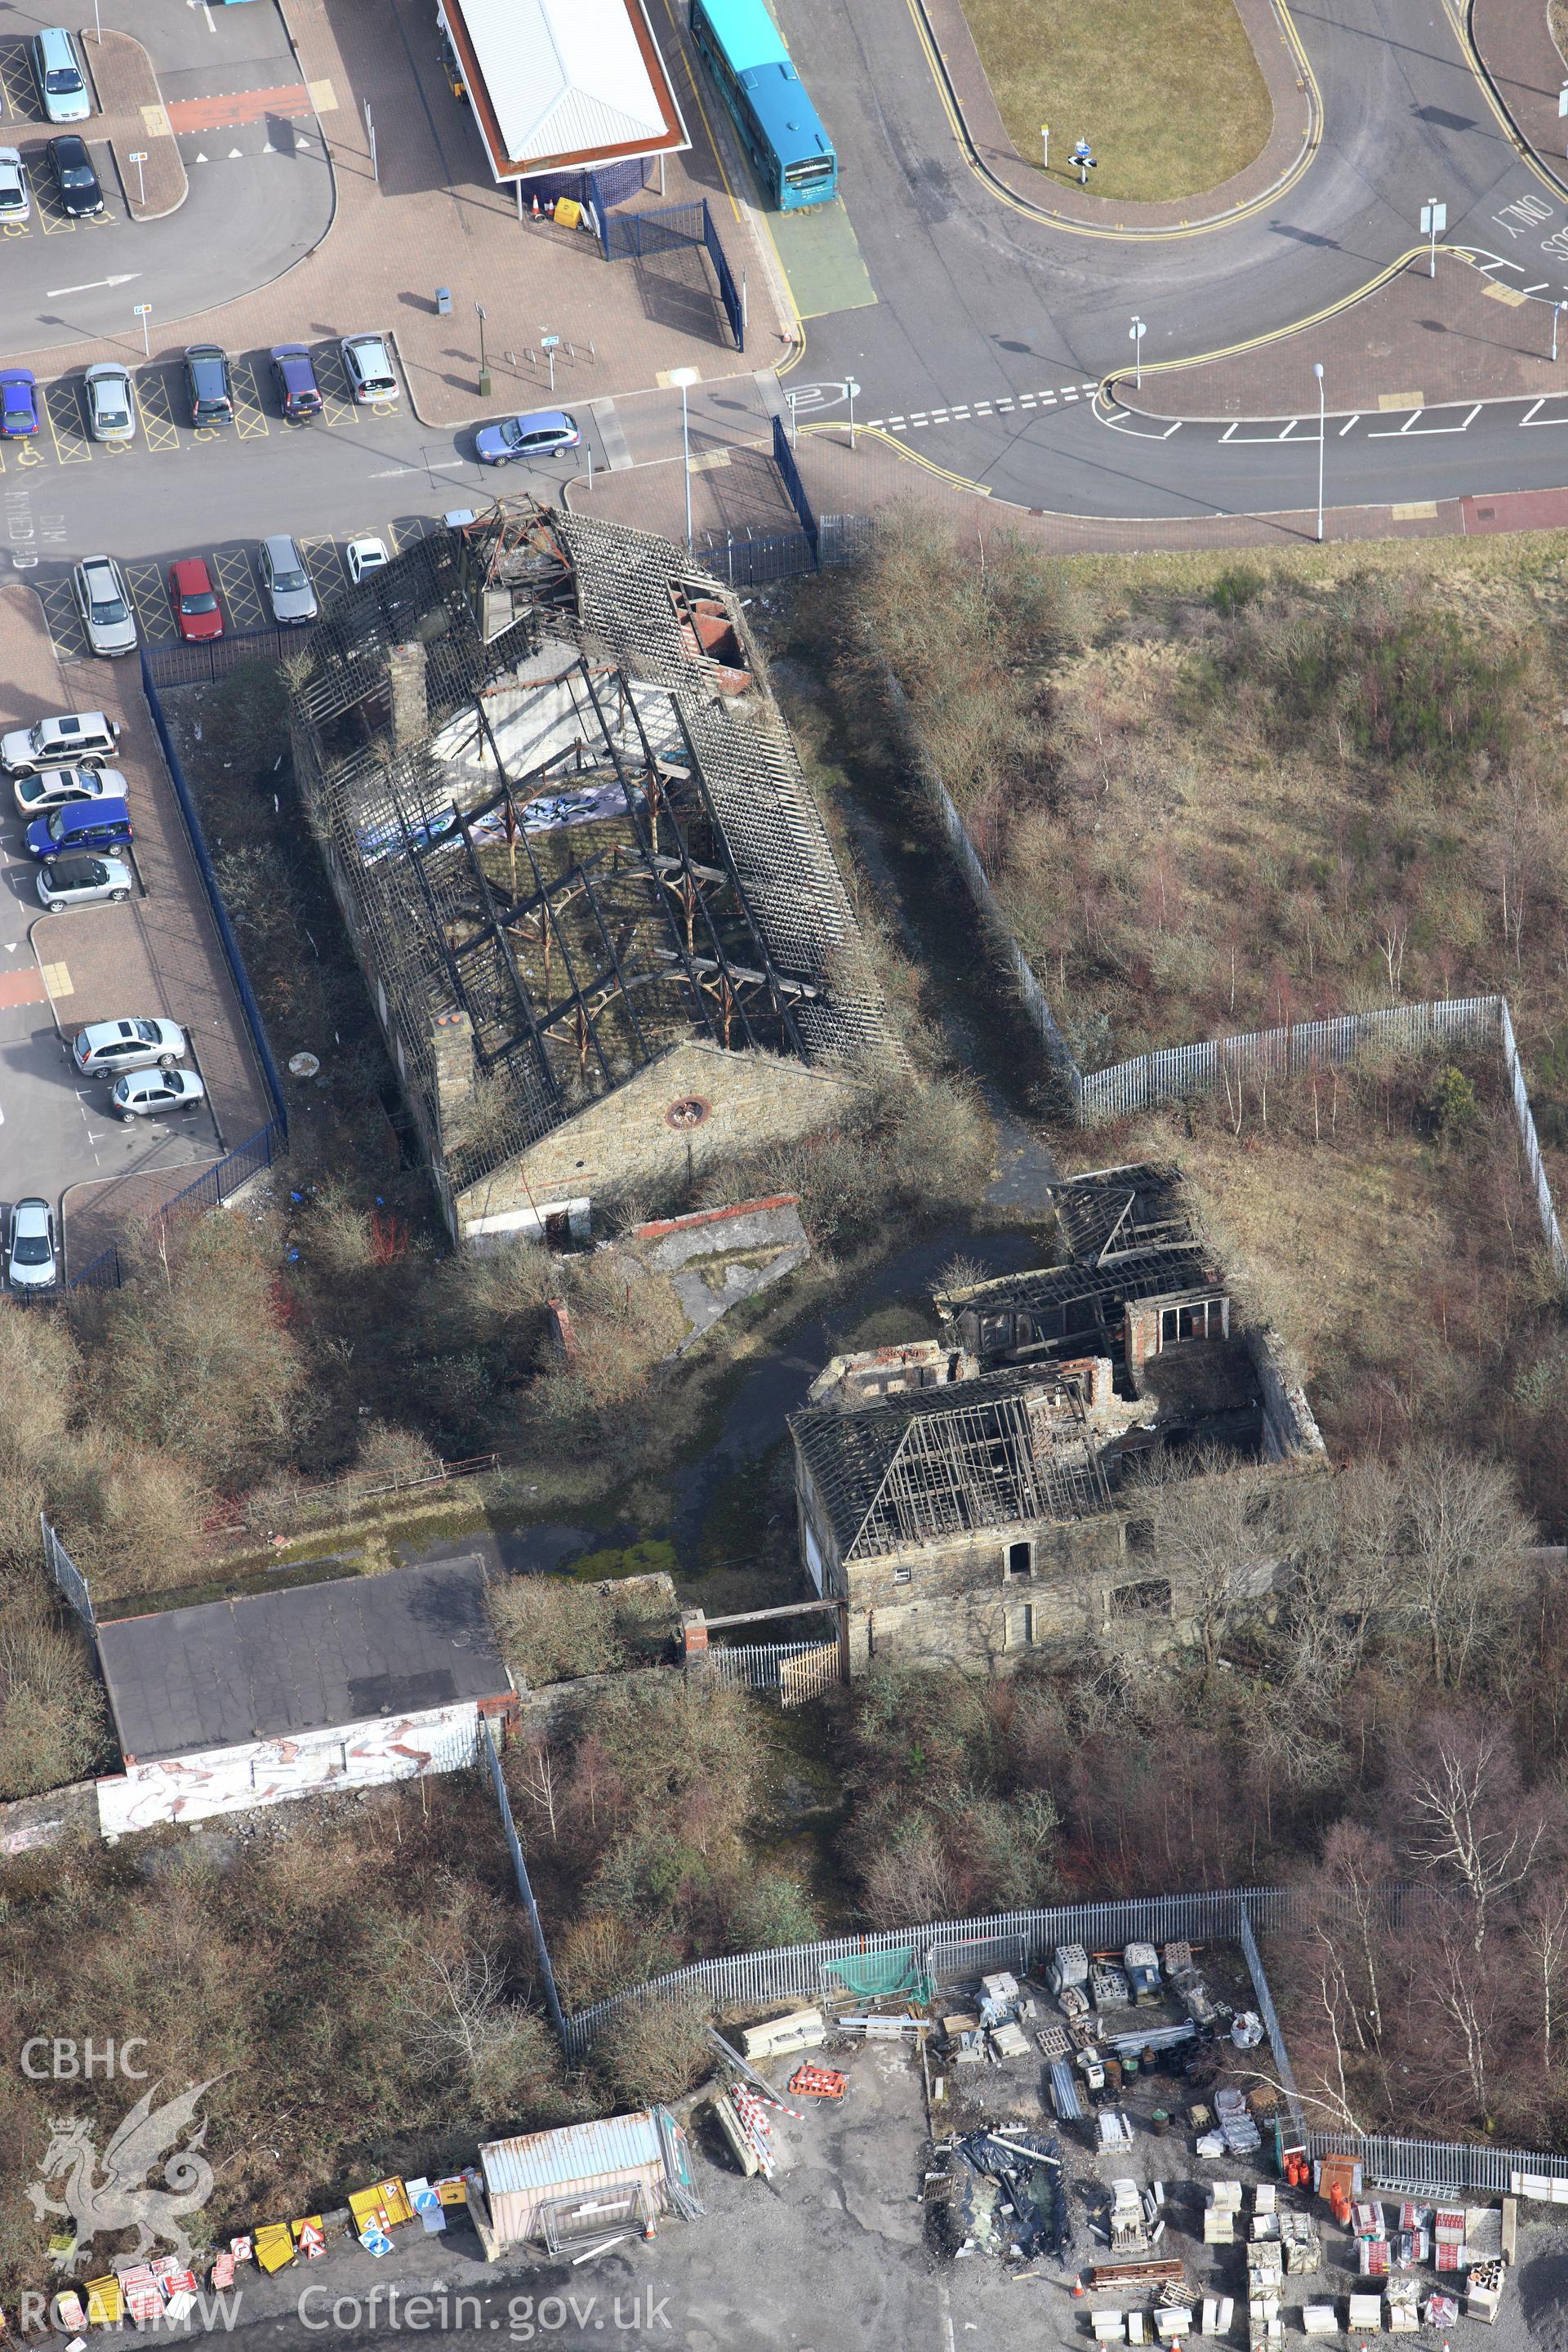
(32, 1258)
(83, 824)
(86, 738)
(209, 390)
(104, 605)
(76, 181)
(514, 440)
(116, 1046)
(16, 203)
(66, 882)
(18, 402)
(198, 615)
(57, 71)
(111, 409)
(364, 556)
(286, 580)
(59, 787)
(294, 380)
(368, 366)
(146, 1093)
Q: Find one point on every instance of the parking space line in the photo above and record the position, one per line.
(410, 528)
(231, 568)
(151, 598)
(64, 621)
(337, 401)
(151, 388)
(16, 80)
(324, 565)
(72, 447)
(251, 420)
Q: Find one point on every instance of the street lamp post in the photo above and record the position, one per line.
(684, 377)
(1046, 146)
(484, 371)
(139, 156)
(1556, 307)
(1136, 333)
(1322, 424)
(852, 388)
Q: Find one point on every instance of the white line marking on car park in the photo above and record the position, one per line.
(1347, 423)
(53, 293)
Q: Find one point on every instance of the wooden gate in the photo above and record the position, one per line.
(808, 1674)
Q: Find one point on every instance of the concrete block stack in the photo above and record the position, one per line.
(1220, 2210)
(1264, 2297)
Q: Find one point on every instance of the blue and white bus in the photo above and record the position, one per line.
(744, 52)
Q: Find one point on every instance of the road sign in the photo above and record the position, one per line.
(550, 342)
(1562, 99)
(139, 154)
(142, 309)
(1434, 219)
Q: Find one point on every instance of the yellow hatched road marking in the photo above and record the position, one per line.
(337, 400)
(403, 533)
(324, 565)
(56, 221)
(150, 595)
(232, 570)
(157, 416)
(248, 415)
(72, 447)
(64, 622)
(16, 80)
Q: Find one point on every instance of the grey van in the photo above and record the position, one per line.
(57, 69)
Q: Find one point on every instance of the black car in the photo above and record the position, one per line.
(207, 387)
(76, 181)
(294, 377)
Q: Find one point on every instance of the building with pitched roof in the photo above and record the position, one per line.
(562, 85)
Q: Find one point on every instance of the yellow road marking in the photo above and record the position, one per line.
(72, 447)
(150, 596)
(28, 454)
(323, 96)
(249, 418)
(64, 620)
(231, 569)
(57, 979)
(324, 565)
(17, 228)
(152, 390)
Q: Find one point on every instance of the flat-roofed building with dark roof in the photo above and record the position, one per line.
(318, 1688)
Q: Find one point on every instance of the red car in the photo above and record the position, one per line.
(197, 614)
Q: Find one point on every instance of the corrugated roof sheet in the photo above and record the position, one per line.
(578, 2152)
(564, 77)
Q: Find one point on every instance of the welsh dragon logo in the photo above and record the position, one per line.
(120, 2199)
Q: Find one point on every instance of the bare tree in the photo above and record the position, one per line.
(1212, 1531)
(1471, 1828)
(539, 1782)
(1465, 1541)
(1543, 1933)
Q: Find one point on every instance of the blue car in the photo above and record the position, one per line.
(80, 825)
(18, 402)
(516, 439)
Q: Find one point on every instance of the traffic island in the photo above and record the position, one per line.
(136, 125)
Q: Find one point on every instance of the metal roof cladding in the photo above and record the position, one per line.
(565, 79)
(565, 2159)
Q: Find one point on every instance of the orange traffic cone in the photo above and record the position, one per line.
(1077, 2288)
(536, 203)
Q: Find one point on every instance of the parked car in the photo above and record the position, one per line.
(55, 788)
(209, 388)
(15, 204)
(294, 376)
(198, 615)
(368, 366)
(364, 556)
(61, 84)
(149, 1092)
(86, 736)
(116, 1046)
(516, 439)
(64, 882)
(81, 824)
(18, 402)
(104, 605)
(111, 408)
(286, 580)
(76, 181)
(32, 1260)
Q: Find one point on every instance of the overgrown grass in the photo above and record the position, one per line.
(1169, 96)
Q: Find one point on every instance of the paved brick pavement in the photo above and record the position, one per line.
(1525, 65)
(429, 221)
(162, 952)
(1296, 129)
(135, 121)
(1417, 343)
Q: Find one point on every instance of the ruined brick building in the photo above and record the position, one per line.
(978, 1496)
(594, 903)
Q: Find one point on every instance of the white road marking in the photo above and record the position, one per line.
(1390, 432)
(53, 293)
(391, 473)
(1347, 423)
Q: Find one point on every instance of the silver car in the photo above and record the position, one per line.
(80, 879)
(32, 1262)
(15, 204)
(59, 787)
(286, 580)
(112, 1047)
(87, 738)
(149, 1093)
(368, 366)
(104, 605)
(111, 406)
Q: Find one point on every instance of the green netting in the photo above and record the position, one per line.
(878, 1976)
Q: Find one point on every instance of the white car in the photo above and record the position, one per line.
(104, 604)
(32, 1262)
(59, 787)
(149, 1093)
(367, 363)
(111, 409)
(15, 204)
(112, 1047)
(86, 738)
(364, 555)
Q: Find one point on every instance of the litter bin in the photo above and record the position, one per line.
(443, 301)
